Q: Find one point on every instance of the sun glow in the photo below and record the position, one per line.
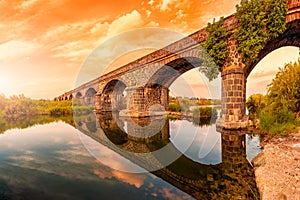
(5, 84)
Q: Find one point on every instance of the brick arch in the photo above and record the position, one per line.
(169, 72)
(111, 97)
(89, 96)
(114, 85)
(291, 37)
(90, 92)
(78, 95)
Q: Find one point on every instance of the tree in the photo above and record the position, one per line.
(278, 117)
(284, 90)
(255, 103)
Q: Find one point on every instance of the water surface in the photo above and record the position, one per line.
(53, 161)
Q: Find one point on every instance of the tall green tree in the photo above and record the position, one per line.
(255, 103)
(284, 90)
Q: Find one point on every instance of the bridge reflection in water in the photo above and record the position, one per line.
(146, 143)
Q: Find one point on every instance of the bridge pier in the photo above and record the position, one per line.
(233, 98)
(103, 102)
(109, 102)
(147, 101)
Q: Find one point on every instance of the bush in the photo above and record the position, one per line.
(205, 112)
(174, 106)
(279, 122)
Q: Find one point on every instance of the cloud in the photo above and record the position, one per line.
(129, 21)
(165, 4)
(263, 74)
(71, 29)
(27, 4)
(153, 24)
(99, 27)
(180, 14)
(151, 2)
(148, 12)
(16, 49)
(80, 38)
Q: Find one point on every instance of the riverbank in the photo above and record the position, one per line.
(277, 168)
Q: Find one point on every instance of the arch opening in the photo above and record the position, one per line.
(184, 79)
(113, 97)
(89, 97)
(265, 71)
(290, 38)
(167, 74)
(78, 95)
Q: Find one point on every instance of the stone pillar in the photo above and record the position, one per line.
(147, 101)
(97, 102)
(233, 98)
(157, 98)
(103, 102)
(136, 102)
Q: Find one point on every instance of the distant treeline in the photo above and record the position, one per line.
(180, 104)
(18, 106)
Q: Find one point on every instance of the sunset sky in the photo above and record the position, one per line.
(44, 43)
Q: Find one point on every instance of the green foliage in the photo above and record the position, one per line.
(185, 104)
(215, 45)
(297, 121)
(297, 94)
(283, 92)
(205, 102)
(259, 22)
(19, 106)
(205, 112)
(174, 106)
(278, 117)
(276, 15)
(279, 122)
(255, 103)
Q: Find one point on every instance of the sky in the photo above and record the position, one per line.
(44, 44)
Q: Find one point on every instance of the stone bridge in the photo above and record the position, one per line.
(140, 88)
(233, 178)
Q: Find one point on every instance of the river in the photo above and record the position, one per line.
(99, 157)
